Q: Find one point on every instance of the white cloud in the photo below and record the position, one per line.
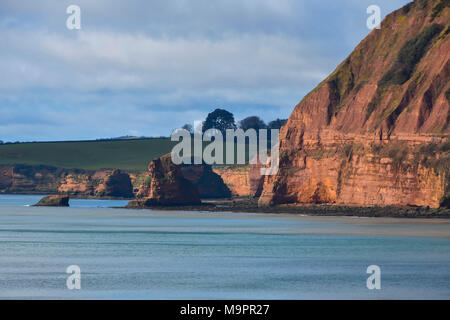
(100, 60)
(151, 66)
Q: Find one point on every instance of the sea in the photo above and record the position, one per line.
(95, 249)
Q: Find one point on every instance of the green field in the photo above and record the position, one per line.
(128, 154)
(131, 155)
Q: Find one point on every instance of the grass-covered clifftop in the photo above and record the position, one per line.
(130, 155)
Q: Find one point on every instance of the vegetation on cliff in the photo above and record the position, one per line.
(409, 56)
(376, 131)
(75, 182)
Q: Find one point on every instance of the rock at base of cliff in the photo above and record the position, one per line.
(166, 185)
(154, 203)
(118, 184)
(445, 203)
(53, 201)
(209, 184)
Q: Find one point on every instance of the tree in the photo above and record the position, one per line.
(252, 122)
(219, 119)
(188, 127)
(277, 124)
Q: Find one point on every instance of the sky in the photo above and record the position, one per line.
(146, 67)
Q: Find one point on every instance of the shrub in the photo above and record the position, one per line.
(439, 7)
(397, 151)
(370, 108)
(409, 56)
(407, 8)
(398, 154)
(445, 202)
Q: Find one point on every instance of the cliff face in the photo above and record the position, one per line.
(375, 131)
(77, 182)
(116, 184)
(237, 178)
(35, 179)
(243, 181)
(208, 183)
(166, 185)
(103, 183)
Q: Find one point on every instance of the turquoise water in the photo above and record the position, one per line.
(7, 200)
(132, 254)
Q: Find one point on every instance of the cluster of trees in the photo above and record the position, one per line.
(222, 120)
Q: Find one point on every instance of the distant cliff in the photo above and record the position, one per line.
(76, 182)
(375, 132)
(109, 183)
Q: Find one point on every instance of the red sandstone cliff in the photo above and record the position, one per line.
(208, 183)
(242, 180)
(166, 185)
(75, 182)
(375, 132)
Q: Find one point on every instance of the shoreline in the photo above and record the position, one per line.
(339, 221)
(250, 205)
(314, 210)
(74, 196)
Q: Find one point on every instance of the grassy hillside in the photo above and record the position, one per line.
(131, 155)
(128, 154)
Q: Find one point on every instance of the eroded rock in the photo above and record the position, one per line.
(208, 183)
(53, 201)
(166, 186)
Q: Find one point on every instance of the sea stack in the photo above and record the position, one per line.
(166, 186)
(53, 201)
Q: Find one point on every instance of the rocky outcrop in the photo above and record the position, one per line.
(237, 179)
(242, 180)
(76, 182)
(375, 132)
(138, 179)
(6, 174)
(208, 183)
(34, 178)
(53, 201)
(109, 183)
(80, 183)
(116, 184)
(166, 186)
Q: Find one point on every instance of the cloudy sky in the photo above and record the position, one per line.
(147, 67)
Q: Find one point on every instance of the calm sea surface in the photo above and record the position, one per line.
(144, 254)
